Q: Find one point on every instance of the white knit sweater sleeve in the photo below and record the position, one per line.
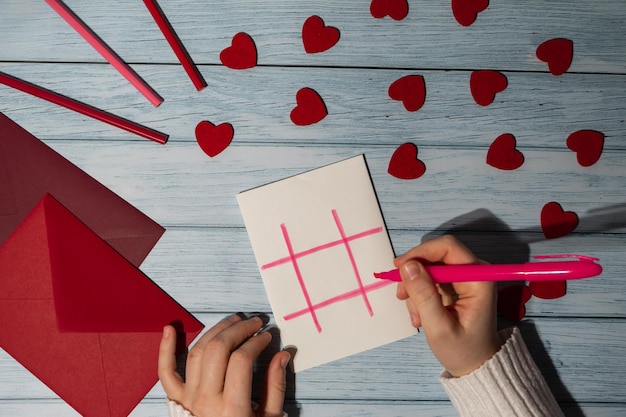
(177, 410)
(508, 384)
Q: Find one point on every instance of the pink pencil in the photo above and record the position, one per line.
(114, 59)
(82, 108)
(176, 44)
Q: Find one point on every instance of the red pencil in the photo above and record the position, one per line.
(176, 44)
(82, 108)
(114, 59)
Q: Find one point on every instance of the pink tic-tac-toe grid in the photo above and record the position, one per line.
(344, 240)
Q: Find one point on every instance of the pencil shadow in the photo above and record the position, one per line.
(291, 406)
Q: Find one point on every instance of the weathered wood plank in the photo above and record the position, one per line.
(155, 408)
(178, 185)
(539, 109)
(580, 358)
(215, 270)
(503, 37)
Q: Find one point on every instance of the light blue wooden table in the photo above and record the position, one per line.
(205, 260)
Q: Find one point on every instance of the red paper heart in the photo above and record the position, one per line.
(548, 290)
(485, 84)
(410, 90)
(396, 9)
(241, 54)
(466, 11)
(555, 222)
(557, 53)
(310, 107)
(512, 300)
(214, 139)
(503, 155)
(588, 146)
(317, 37)
(404, 163)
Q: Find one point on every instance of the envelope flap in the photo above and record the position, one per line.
(98, 290)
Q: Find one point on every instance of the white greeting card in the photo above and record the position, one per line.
(318, 238)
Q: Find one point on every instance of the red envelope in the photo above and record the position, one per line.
(29, 169)
(79, 316)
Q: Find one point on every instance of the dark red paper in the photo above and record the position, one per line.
(404, 163)
(587, 144)
(557, 53)
(503, 154)
(485, 84)
(317, 37)
(213, 139)
(310, 108)
(466, 11)
(396, 9)
(512, 301)
(556, 222)
(30, 169)
(410, 90)
(79, 316)
(241, 54)
(548, 290)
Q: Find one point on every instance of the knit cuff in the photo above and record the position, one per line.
(508, 384)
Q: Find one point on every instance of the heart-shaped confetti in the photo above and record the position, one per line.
(214, 139)
(485, 84)
(557, 53)
(512, 301)
(404, 163)
(502, 153)
(310, 107)
(317, 37)
(396, 9)
(410, 90)
(241, 54)
(587, 144)
(548, 290)
(466, 11)
(555, 222)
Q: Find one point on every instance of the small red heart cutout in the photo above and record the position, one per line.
(396, 9)
(404, 163)
(555, 222)
(557, 53)
(214, 139)
(317, 37)
(548, 290)
(410, 90)
(241, 54)
(512, 301)
(502, 153)
(310, 107)
(588, 146)
(485, 84)
(466, 11)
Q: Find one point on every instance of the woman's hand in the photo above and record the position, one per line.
(459, 319)
(219, 371)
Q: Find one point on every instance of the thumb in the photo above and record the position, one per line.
(424, 300)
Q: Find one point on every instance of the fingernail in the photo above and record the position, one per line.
(166, 332)
(412, 270)
(285, 359)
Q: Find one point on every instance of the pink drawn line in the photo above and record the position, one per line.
(337, 299)
(114, 59)
(82, 108)
(296, 268)
(355, 268)
(176, 44)
(343, 241)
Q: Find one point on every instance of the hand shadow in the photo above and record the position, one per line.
(291, 406)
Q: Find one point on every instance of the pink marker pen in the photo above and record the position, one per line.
(577, 267)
